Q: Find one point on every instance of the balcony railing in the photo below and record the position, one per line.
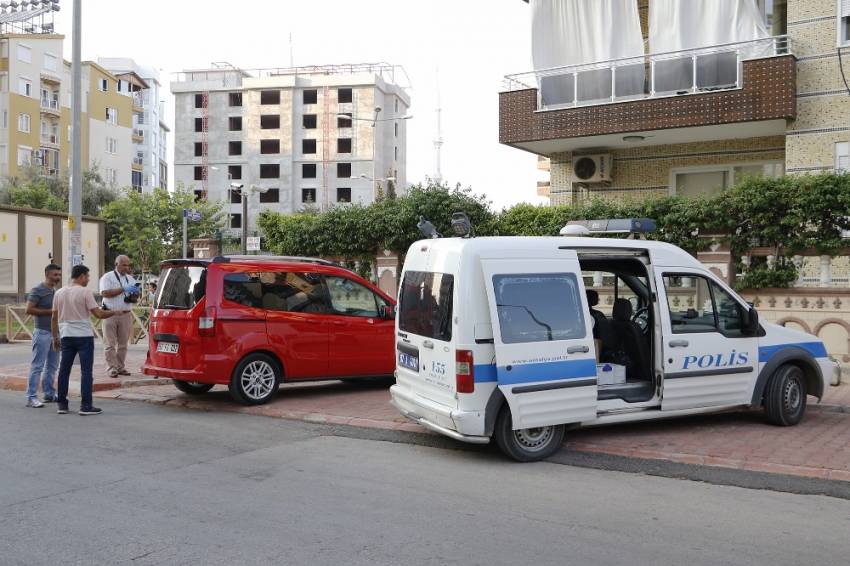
(138, 100)
(138, 133)
(138, 161)
(656, 75)
(50, 139)
(48, 104)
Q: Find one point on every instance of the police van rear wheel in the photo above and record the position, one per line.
(785, 396)
(529, 444)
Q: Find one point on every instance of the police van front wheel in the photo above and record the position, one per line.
(785, 396)
(528, 444)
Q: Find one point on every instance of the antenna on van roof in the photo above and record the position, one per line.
(428, 230)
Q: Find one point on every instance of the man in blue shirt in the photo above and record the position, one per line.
(45, 359)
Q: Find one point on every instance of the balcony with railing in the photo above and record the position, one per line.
(139, 101)
(735, 83)
(138, 163)
(138, 135)
(50, 106)
(50, 140)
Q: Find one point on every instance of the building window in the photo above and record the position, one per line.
(310, 121)
(199, 149)
(308, 146)
(24, 155)
(698, 181)
(308, 196)
(236, 221)
(842, 156)
(269, 146)
(111, 176)
(234, 99)
(50, 62)
(24, 123)
(343, 170)
(311, 96)
(395, 153)
(112, 115)
(343, 145)
(234, 123)
(136, 179)
(343, 194)
(271, 195)
(199, 101)
(24, 53)
(234, 148)
(102, 85)
(234, 171)
(199, 124)
(270, 97)
(111, 145)
(395, 127)
(270, 122)
(308, 170)
(269, 171)
(396, 105)
(843, 23)
(343, 122)
(25, 87)
(199, 195)
(344, 95)
(200, 173)
(235, 195)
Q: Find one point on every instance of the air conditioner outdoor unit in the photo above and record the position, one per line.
(592, 168)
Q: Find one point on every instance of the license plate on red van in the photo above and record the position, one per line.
(167, 347)
(408, 361)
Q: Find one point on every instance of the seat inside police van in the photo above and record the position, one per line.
(625, 299)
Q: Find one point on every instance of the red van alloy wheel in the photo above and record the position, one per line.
(255, 379)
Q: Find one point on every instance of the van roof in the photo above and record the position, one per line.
(661, 253)
(250, 259)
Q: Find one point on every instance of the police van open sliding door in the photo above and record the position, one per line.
(545, 359)
(709, 357)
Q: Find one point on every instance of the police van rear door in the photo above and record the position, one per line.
(709, 358)
(545, 361)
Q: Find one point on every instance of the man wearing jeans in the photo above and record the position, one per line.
(44, 358)
(73, 332)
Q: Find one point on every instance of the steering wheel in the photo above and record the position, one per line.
(641, 318)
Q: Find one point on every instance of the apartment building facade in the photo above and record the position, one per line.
(306, 137)
(150, 130)
(35, 111)
(678, 109)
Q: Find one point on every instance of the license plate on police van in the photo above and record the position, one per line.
(408, 361)
(167, 347)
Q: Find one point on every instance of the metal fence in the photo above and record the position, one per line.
(19, 324)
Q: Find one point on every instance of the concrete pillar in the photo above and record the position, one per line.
(205, 248)
(798, 263)
(597, 279)
(386, 265)
(825, 271)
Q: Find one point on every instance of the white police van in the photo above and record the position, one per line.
(496, 338)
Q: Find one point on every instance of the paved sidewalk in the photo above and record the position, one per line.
(15, 366)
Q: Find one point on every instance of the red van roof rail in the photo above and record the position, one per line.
(317, 260)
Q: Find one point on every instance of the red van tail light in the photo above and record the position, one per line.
(206, 324)
(464, 371)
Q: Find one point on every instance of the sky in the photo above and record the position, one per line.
(473, 43)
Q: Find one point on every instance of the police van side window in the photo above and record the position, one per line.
(425, 304)
(697, 304)
(539, 307)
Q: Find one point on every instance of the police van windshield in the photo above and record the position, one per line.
(181, 287)
(425, 306)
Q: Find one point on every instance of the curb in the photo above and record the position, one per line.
(17, 383)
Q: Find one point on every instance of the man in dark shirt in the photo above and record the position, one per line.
(45, 359)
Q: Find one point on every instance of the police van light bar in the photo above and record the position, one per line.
(611, 226)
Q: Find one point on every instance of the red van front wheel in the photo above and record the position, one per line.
(255, 379)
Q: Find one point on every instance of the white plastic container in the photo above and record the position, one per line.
(610, 374)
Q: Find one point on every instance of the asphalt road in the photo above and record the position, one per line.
(144, 484)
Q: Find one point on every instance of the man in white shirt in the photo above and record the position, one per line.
(119, 291)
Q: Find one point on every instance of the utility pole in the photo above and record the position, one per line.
(438, 141)
(75, 197)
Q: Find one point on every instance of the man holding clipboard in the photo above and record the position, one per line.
(119, 291)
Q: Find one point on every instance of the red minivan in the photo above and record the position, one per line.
(254, 322)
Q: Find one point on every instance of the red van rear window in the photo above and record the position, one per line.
(181, 287)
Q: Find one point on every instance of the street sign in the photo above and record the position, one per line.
(253, 244)
(192, 214)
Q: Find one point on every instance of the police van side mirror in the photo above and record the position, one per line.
(751, 321)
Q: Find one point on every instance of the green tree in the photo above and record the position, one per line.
(32, 189)
(149, 227)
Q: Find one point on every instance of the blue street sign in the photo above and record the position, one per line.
(192, 214)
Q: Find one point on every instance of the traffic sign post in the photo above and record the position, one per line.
(194, 216)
